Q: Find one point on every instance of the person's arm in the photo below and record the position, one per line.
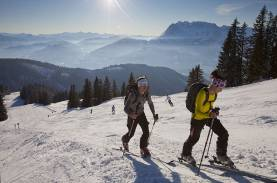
(151, 105)
(201, 109)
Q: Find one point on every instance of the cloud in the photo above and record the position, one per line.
(226, 9)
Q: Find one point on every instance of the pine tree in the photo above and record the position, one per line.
(74, 100)
(107, 92)
(87, 94)
(273, 71)
(257, 66)
(3, 90)
(97, 91)
(44, 98)
(269, 43)
(3, 110)
(115, 90)
(273, 51)
(195, 76)
(131, 79)
(123, 89)
(243, 52)
(230, 58)
(60, 96)
(101, 90)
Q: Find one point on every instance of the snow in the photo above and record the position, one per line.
(77, 146)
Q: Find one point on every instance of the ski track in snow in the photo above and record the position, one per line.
(77, 146)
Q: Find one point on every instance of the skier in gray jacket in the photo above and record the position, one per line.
(136, 96)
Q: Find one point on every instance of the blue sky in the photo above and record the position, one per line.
(132, 17)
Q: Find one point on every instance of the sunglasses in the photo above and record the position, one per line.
(142, 82)
(219, 83)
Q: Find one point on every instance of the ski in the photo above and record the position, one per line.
(243, 173)
(170, 163)
(214, 163)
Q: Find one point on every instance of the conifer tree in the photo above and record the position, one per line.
(3, 110)
(123, 89)
(74, 100)
(87, 94)
(257, 69)
(195, 76)
(115, 92)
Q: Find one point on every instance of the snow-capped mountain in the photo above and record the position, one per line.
(182, 46)
(54, 144)
(196, 31)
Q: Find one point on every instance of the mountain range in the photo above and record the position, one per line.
(16, 73)
(180, 47)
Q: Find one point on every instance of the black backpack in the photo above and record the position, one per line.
(192, 94)
(131, 88)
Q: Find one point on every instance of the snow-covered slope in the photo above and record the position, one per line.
(76, 146)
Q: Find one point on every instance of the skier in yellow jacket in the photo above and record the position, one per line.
(203, 115)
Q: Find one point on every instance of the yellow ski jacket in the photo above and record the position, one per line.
(202, 105)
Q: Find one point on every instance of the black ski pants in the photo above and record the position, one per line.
(132, 125)
(195, 132)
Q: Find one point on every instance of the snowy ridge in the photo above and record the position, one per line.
(76, 146)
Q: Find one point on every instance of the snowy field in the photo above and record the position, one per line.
(77, 146)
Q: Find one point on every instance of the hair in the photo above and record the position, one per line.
(217, 75)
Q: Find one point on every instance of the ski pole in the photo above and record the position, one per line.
(199, 168)
(216, 110)
(131, 128)
(151, 130)
(133, 121)
(209, 145)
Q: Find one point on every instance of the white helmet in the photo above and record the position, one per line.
(142, 81)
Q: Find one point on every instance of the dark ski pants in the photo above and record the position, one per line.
(195, 132)
(132, 125)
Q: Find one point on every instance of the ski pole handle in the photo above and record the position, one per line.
(156, 117)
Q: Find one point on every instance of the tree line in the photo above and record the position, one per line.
(247, 58)
(96, 92)
(3, 110)
(247, 55)
(41, 94)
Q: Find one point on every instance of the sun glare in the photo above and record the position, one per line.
(110, 3)
(114, 5)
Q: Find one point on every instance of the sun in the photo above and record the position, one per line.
(114, 5)
(110, 3)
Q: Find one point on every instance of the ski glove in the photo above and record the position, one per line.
(216, 110)
(156, 117)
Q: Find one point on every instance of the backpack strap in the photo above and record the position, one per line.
(215, 97)
(207, 95)
(136, 95)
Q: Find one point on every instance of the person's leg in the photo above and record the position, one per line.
(144, 124)
(132, 125)
(222, 140)
(195, 131)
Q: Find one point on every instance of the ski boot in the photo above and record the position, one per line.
(145, 152)
(225, 160)
(188, 159)
(125, 146)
